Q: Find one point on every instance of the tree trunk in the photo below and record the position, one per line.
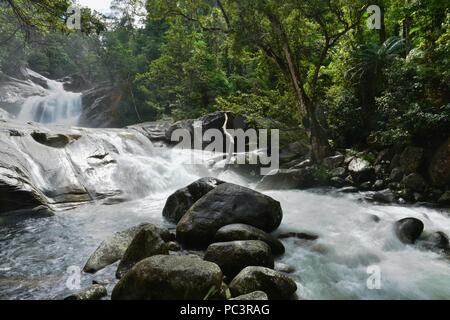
(318, 137)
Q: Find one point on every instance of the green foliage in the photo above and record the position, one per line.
(279, 63)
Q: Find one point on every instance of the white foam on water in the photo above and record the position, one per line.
(56, 106)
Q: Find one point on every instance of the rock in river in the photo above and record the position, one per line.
(112, 249)
(235, 232)
(234, 256)
(169, 278)
(409, 230)
(227, 204)
(146, 243)
(277, 285)
(180, 202)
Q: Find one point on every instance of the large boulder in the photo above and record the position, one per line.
(227, 204)
(411, 159)
(408, 230)
(236, 232)
(169, 278)
(217, 120)
(180, 202)
(361, 170)
(112, 249)
(439, 169)
(415, 182)
(275, 284)
(146, 243)
(95, 292)
(99, 107)
(234, 256)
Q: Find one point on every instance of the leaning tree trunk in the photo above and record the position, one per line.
(318, 136)
(320, 146)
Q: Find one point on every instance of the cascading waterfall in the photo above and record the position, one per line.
(57, 106)
(138, 177)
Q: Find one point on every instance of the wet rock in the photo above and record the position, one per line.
(281, 267)
(385, 196)
(288, 179)
(338, 172)
(411, 159)
(414, 182)
(169, 278)
(236, 232)
(112, 249)
(396, 175)
(337, 182)
(361, 170)
(253, 296)
(436, 241)
(146, 243)
(408, 230)
(379, 185)
(173, 246)
(227, 204)
(444, 199)
(52, 140)
(234, 256)
(182, 200)
(439, 168)
(303, 164)
(348, 190)
(275, 284)
(95, 292)
(366, 186)
(334, 161)
(17, 193)
(99, 105)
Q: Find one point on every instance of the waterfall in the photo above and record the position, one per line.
(56, 106)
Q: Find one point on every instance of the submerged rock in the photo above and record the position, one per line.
(408, 230)
(234, 256)
(112, 249)
(146, 243)
(254, 296)
(275, 284)
(436, 241)
(169, 278)
(235, 232)
(179, 203)
(95, 292)
(227, 204)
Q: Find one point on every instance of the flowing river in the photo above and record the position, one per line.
(36, 254)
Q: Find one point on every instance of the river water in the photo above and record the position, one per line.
(36, 254)
(56, 105)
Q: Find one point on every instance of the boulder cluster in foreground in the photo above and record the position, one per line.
(229, 228)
